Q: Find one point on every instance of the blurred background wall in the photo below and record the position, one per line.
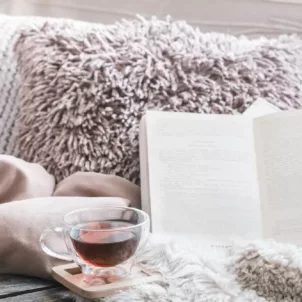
(269, 17)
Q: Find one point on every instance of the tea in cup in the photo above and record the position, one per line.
(101, 240)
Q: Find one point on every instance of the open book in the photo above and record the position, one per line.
(217, 176)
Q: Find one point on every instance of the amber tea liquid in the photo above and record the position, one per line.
(104, 248)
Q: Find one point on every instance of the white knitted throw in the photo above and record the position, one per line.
(10, 29)
(9, 83)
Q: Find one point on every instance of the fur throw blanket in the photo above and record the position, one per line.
(255, 271)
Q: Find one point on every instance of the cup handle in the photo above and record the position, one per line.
(50, 252)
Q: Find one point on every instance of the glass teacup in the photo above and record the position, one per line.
(101, 240)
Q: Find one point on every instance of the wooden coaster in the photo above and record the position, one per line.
(90, 287)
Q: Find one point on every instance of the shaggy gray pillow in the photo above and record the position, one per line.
(85, 87)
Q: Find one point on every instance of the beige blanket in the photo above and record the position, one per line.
(30, 202)
(21, 180)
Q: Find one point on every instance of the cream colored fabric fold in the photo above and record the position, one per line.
(92, 184)
(22, 180)
(23, 218)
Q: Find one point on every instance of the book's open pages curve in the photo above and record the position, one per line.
(278, 140)
(201, 176)
(144, 168)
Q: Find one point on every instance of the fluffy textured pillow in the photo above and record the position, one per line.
(85, 88)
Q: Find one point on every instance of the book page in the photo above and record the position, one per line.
(260, 107)
(144, 167)
(202, 175)
(279, 156)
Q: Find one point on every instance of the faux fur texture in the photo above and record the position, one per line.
(251, 272)
(272, 269)
(85, 88)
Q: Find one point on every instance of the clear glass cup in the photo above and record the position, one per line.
(100, 240)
